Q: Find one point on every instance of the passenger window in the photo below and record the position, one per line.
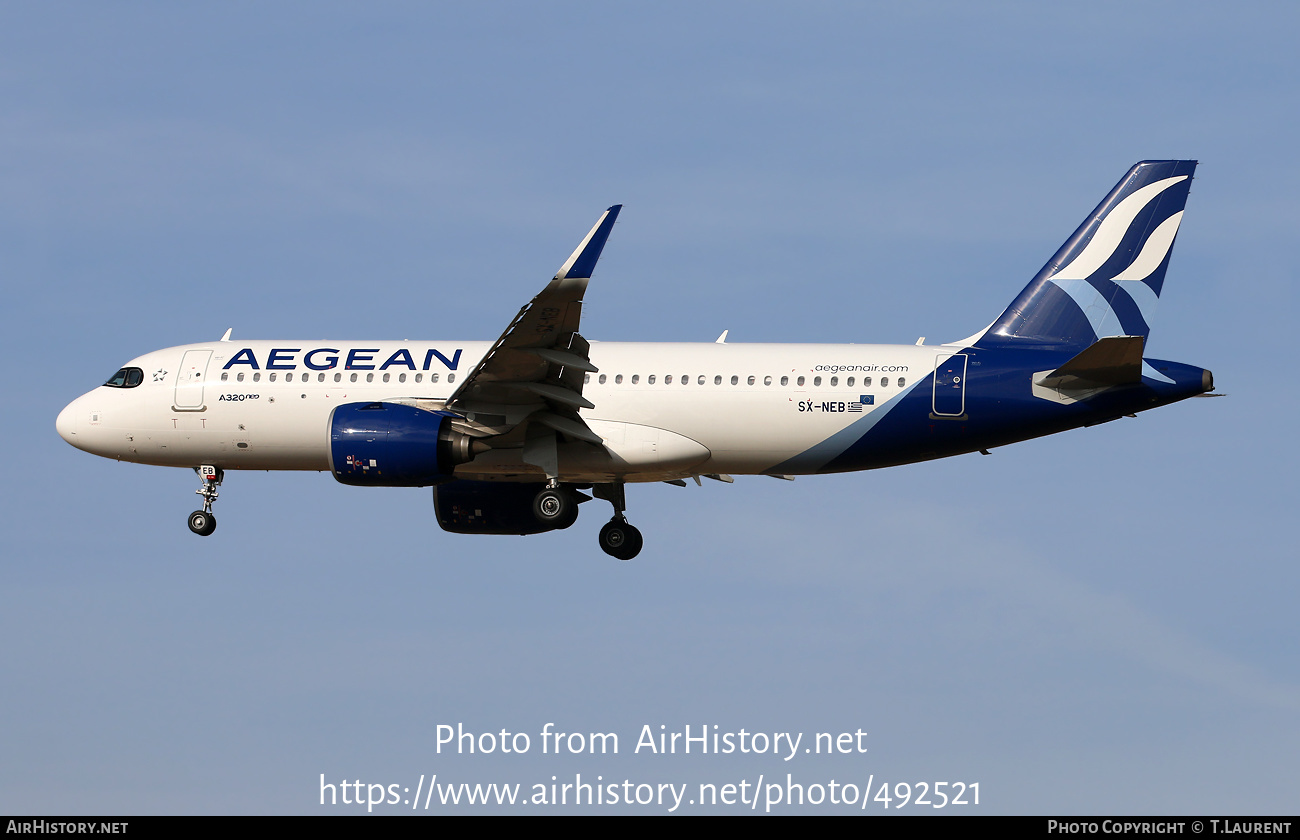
(835, 380)
(354, 377)
(884, 382)
(370, 377)
(602, 379)
(239, 377)
(586, 379)
(338, 377)
(750, 380)
(257, 377)
(866, 382)
(686, 379)
(901, 382)
(668, 380)
(767, 380)
(650, 380)
(419, 376)
(799, 382)
(386, 375)
(817, 381)
(433, 377)
(225, 374)
(320, 377)
(785, 380)
(735, 380)
(451, 377)
(636, 377)
(270, 378)
(618, 380)
(401, 377)
(850, 382)
(717, 380)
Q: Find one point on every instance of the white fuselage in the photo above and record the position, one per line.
(663, 410)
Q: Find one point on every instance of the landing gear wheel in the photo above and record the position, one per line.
(619, 539)
(202, 523)
(555, 507)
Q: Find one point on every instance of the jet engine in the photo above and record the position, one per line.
(382, 444)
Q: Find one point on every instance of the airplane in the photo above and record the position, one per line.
(510, 433)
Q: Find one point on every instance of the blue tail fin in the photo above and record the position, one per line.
(1106, 278)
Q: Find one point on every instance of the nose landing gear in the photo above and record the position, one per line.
(202, 522)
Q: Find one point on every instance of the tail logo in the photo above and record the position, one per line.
(1094, 293)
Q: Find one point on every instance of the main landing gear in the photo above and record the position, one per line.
(618, 538)
(557, 506)
(202, 522)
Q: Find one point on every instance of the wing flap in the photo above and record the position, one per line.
(556, 393)
(570, 426)
(565, 359)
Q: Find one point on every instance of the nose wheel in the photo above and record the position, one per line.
(202, 522)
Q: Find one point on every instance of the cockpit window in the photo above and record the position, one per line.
(126, 378)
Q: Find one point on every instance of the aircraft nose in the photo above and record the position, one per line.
(66, 424)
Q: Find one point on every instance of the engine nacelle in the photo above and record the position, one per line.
(487, 507)
(391, 445)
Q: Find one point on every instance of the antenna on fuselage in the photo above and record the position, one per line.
(226, 337)
(722, 339)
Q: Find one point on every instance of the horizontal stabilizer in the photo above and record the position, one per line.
(1116, 360)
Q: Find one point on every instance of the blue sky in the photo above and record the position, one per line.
(1098, 621)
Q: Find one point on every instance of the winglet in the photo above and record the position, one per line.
(583, 261)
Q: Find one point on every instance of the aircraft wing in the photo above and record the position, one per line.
(535, 370)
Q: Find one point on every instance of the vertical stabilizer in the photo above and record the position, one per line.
(1106, 279)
